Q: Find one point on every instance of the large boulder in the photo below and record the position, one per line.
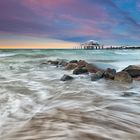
(80, 70)
(71, 66)
(92, 68)
(123, 77)
(82, 63)
(109, 73)
(98, 75)
(133, 70)
(66, 78)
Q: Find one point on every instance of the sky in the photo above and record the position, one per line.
(66, 23)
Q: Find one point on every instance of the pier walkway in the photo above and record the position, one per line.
(94, 45)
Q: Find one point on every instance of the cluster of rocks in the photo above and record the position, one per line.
(82, 67)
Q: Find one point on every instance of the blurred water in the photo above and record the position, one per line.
(36, 105)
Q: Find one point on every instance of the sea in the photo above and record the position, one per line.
(36, 105)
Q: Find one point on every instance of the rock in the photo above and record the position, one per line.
(82, 63)
(109, 73)
(11, 67)
(73, 61)
(66, 78)
(58, 62)
(123, 77)
(80, 70)
(137, 78)
(71, 66)
(92, 68)
(98, 75)
(128, 94)
(53, 62)
(62, 62)
(44, 63)
(133, 70)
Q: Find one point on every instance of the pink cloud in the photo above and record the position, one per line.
(64, 19)
(84, 17)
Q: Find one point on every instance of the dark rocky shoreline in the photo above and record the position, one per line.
(127, 75)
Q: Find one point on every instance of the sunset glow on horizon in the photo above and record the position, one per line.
(26, 42)
(64, 23)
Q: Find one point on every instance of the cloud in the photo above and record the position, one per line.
(68, 20)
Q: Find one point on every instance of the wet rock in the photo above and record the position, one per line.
(71, 66)
(11, 67)
(66, 78)
(44, 63)
(82, 63)
(98, 75)
(109, 73)
(53, 62)
(128, 94)
(80, 71)
(133, 70)
(73, 61)
(58, 62)
(92, 68)
(62, 62)
(137, 78)
(123, 77)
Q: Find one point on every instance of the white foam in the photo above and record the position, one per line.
(6, 55)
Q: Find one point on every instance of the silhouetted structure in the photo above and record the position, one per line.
(94, 45)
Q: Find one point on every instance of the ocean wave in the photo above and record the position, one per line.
(20, 55)
(33, 99)
(127, 53)
(7, 55)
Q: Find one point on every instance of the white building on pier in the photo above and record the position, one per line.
(91, 44)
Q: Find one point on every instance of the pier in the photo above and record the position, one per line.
(94, 45)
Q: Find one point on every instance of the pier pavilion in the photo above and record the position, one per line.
(90, 45)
